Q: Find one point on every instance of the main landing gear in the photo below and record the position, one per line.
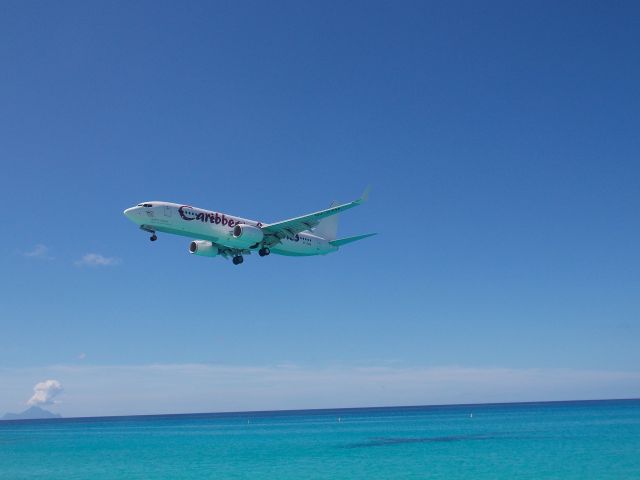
(263, 252)
(237, 260)
(153, 237)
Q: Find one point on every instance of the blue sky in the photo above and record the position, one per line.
(501, 141)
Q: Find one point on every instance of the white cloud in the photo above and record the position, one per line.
(45, 392)
(189, 388)
(96, 260)
(39, 251)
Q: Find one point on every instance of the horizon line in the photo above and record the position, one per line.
(327, 409)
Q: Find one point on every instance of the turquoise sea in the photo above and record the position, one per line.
(560, 440)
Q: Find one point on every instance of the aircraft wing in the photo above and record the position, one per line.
(275, 232)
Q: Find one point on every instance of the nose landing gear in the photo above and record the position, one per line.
(263, 252)
(237, 260)
(150, 230)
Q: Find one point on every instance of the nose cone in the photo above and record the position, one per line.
(130, 212)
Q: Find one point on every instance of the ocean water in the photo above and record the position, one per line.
(568, 440)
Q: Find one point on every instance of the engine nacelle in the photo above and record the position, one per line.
(203, 248)
(247, 235)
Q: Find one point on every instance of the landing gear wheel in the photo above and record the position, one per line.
(238, 260)
(263, 252)
(153, 237)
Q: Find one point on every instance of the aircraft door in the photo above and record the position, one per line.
(167, 211)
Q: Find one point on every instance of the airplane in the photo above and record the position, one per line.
(232, 237)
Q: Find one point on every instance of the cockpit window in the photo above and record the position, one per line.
(147, 205)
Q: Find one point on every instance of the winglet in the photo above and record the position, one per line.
(365, 195)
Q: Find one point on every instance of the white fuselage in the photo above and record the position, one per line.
(216, 227)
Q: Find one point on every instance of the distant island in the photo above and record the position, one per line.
(32, 413)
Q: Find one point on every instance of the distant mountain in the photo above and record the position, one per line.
(31, 413)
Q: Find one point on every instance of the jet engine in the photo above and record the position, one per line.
(203, 248)
(247, 235)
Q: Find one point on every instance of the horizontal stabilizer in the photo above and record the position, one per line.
(344, 241)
